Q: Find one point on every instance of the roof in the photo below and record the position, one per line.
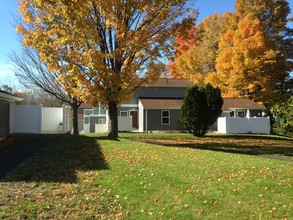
(229, 103)
(170, 82)
(9, 97)
(240, 103)
(161, 103)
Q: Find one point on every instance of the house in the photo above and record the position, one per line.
(156, 107)
(6, 101)
(241, 108)
(242, 115)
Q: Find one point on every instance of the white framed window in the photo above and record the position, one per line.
(124, 113)
(100, 110)
(241, 114)
(165, 117)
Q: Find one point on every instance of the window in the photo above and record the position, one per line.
(96, 111)
(102, 110)
(102, 121)
(86, 120)
(165, 117)
(99, 110)
(240, 114)
(123, 113)
(88, 111)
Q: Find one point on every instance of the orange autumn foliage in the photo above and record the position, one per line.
(243, 57)
(108, 48)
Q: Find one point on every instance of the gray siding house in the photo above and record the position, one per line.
(6, 100)
(156, 107)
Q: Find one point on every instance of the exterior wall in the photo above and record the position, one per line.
(126, 109)
(153, 117)
(4, 118)
(134, 100)
(160, 92)
(244, 125)
(52, 120)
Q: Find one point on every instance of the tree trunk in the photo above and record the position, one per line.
(74, 107)
(113, 109)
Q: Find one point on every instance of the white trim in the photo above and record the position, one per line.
(165, 117)
(129, 105)
(146, 120)
(9, 97)
(141, 117)
(157, 108)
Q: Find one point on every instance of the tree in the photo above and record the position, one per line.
(243, 61)
(197, 59)
(201, 108)
(108, 47)
(273, 16)
(283, 116)
(33, 72)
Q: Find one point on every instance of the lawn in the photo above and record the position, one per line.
(153, 176)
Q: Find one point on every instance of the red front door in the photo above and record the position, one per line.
(134, 118)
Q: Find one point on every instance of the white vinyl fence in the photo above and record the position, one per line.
(257, 125)
(39, 119)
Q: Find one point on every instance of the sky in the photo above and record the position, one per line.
(9, 41)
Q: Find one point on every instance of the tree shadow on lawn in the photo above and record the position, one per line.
(240, 144)
(60, 160)
(251, 137)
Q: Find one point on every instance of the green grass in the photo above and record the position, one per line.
(154, 176)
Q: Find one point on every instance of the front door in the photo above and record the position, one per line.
(134, 118)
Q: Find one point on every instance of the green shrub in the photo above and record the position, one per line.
(201, 108)
(283, 117)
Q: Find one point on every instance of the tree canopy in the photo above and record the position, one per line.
(198, 56)
(247, 53)
(108, 47)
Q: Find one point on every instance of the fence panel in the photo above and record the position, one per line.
(27, 119)
(258, 125)
(52, 120)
